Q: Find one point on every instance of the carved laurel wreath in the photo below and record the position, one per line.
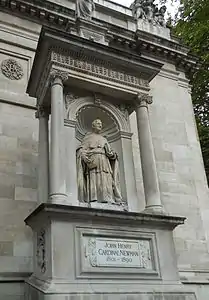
(12, 69)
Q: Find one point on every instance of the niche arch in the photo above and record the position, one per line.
(84, 110)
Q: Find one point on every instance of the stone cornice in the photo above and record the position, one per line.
(55, 15)
(110, 68)
(39, 11)
(115, 217)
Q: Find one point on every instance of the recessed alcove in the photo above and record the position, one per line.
(80, 113)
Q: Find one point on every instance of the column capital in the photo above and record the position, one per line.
(58, 74)
(42, 112)
(142, 100)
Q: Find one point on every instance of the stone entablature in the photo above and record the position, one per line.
(138, 36)
(121, 73)
(99, 68)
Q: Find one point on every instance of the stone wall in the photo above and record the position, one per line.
(179, 163)
(183, 184)
(18, 156)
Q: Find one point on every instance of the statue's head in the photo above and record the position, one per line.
(163, 9)
(97, 125)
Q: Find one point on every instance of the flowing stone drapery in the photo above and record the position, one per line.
(57, 159)
(84, 9)
(43, 164)
(149, 171)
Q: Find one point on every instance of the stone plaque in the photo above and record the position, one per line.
(122, 253)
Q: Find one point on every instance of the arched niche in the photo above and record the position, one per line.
(80, 112)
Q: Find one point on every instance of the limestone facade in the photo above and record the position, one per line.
(182, 183)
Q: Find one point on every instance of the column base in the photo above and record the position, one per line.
(155, 210)
(60, 198)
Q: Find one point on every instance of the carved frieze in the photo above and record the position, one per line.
(12, 69)
(98, 69)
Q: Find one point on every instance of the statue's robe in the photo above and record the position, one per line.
(98, 177)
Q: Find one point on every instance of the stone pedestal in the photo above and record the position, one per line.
(101, 254)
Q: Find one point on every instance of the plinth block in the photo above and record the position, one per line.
(90, 253)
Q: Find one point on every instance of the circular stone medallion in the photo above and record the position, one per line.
(12, 69)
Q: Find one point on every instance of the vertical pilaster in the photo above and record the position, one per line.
(149, 171)
(43, 164)
(57, 149)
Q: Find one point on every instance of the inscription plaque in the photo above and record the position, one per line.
(113, 252)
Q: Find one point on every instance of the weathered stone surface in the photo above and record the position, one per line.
(6, 248)
(183, 186)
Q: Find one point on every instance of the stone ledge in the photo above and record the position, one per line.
(115, 217)
(125, 290)
(18, 99)
(7, 277)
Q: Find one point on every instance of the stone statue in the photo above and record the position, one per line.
(160, 16)
(138, 10)
(84, 9)
(97, 169)
(147, 10)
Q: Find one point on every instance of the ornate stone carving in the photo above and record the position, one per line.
(99, 69)
(69, 99)
(97, 169)
(58, 74)
(12, 69)
(41, 252)
(143, 100)
(97, 99)
(92, 252)
(146, 258)
(84, 9)
(125, 110)
(149, 11)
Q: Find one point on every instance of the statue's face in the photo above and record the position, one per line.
(97, 125)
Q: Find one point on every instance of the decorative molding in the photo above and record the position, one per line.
(99, 69)
(12, 69)
(41, 250)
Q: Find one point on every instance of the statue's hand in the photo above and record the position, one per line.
(86, 157)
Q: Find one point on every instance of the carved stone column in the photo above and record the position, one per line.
(57, 157)
(149, 171)
(43, 163)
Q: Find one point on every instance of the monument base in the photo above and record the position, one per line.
(103, 254)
